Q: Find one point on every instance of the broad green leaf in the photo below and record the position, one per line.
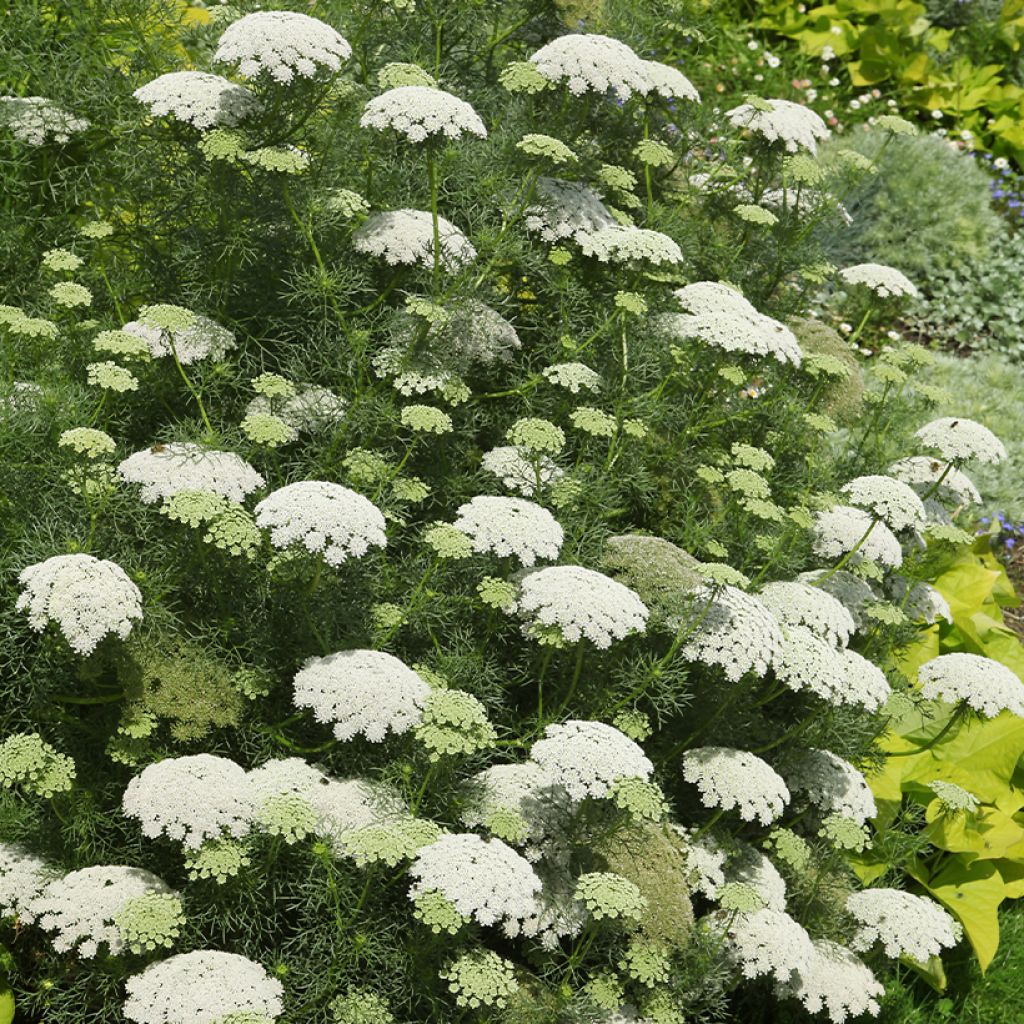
(988, 834)
(6, 1004)
(984, 754)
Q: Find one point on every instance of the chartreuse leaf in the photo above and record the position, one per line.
(6, 992)
(989, 833)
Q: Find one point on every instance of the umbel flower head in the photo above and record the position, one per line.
(621, 244)
(959, 440)
(792, 124)
(368, 692)
(835, 982)
(766, 942)
(567, 209)
(164, 470)
(483, 879)
(175, 331)
(587, 759)
(924, 473)
(579, 604)
(593, 63)
(84, 907)
(843, 530)
(797, 604)
(199, 99)
(88, 598)
(191, 799)
(34, 766)
(885, 282)
(903, 924)
(510, 527)
(325, 518)
(481, 978)
(893, 501)
(982, 683)
(420, 113)
(203, 987)
(281, 44)
(512, 464)
(865, 683)
(35, 120)
(736, 779)
(512, 801)
(807, 662)
(832, 785)
(406, 238)
(23, 876)
(669, 82)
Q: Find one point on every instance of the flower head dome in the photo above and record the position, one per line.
(510, 527)
(835, 982)
(35, 120)
(421, 113)
(199, 99)
(593, 63)
(885, 282)
(865, 683)
(766, 942)
(959, 440)
(23, 876)
(924, 474)
(832, 785)
(843, 530)
(808, 662)
(798, 604)
(165, 470)
(894, 502)
(736, 779)
(669, 82)
(567, 209)
(406, 237)
(904, 924)
(792, 124)
(621, 244)
(513, 466)
(982, 683)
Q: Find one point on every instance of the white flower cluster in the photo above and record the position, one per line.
(167, 469)
(669, 82)
(982, 683)
(406, 237)
(283, 44)
(190, 799)
(766, 942)
(752, 868)
(593, 63)
(842, 529)
(923, 603)
(574, 377)
(325, 518)
(510, 800)
(368, 692)
(923, 472)
(886, 282)
(621, 244)
(510, 527)
(88, 598)
(36, 120)
(580, 604)
(832, 785)
(203, 987)
(721, 317)
(865, 683)
(792, 124)
(82, 907)
(795, 603)
(959, 440)
(513, 466)
(587, 758)
(894, 502)
(851, 591)
(199, 99)
(23, 876)
(310, 410)
(835, 982)
(705, 863)
(734, 631)
(904, 924)
(420, 113)
(196, 338)
(484, 879)
(736, 779)
(567, 209)
(808, 662)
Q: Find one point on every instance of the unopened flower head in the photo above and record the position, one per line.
(885, 282)
(420, 113)
(281, 44)
(70, 295)
(621, 244)
(87, 441)
(164, 470)
(844, 530)
(203, 987)
(88, 598)
(567, 209)
(574, 377)
(793, 125)
(608, 895)
(797, 604)
(513, 465)
(199, 99)
(35, 120)
(579, 604)
(406, 238)
(894, 502)
(510, 527)
(736, 780)
(593, 63)
(832, 785)
(984, 684)
(367, 692)
(325, 518)
(835, 982)
(587, 759)
(481, 978)
(959, 440)
(903, 924)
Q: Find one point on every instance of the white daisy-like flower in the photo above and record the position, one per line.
(669, 82)
(23, 876)
(510, 527)
(199, 99)
(567, 209)
(922, 472)
(851, 591)
(836, 982)
(203, 987)
(593, 63)
(865, 684)
(621, 244)
(512, 464)
(894, 502)
(843, 530)
(88, 598)
(167, 469)
(36, 120)
(587, 758)
(808, 662)
(795, 603)
(368, 692)
(580, 604)
(733, 631)
(767, 942)
(886, 282)
(281, 44)
(484, 879)
(832, 785)
(191, 799)
(903, 924)
(197, 339)
(982, 683)
(958, 440)
(420, 113)
(83, 907)
(406, 237)
(736, 780)
(792, 124)
(325, 518)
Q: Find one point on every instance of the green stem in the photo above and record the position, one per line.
(846, 558)
(432, 176)
(954, 718)
(211, 434)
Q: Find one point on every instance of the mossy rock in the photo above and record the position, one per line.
(843, 400)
